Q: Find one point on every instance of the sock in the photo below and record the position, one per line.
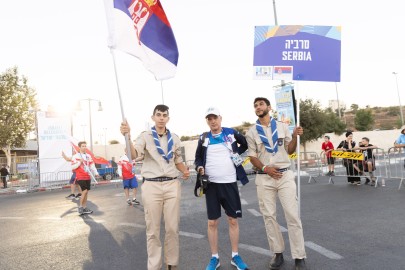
(234, 254)
(215, 255)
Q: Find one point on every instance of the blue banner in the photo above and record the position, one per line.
(297, 52)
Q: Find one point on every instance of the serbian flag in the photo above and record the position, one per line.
(97, 160)
(141, 28)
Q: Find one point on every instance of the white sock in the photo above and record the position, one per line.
(215, 255)
(234, 254)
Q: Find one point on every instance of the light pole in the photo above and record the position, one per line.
(105, 142)
(399, 98)
(84, 131)
(78, 108)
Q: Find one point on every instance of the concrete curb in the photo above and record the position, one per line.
(18, 190)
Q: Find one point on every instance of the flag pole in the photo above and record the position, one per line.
(298, 152)
(161, 87)
(127, 142)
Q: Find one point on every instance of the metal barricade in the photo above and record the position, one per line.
(310, 164)
(396, 163)
(355, 166)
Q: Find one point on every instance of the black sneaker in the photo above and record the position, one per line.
(80, 210)
(367, 181)
(78, 195)
(87, 211)
(135, 201)
(129, 202)
(276, 261)
(71, 196)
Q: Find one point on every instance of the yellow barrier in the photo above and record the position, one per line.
(246, 161)
(348, 155)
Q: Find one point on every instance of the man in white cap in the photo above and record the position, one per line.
(218, 157)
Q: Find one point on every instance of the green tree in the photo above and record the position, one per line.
(354, 107)
(312, 120)
(185, 138)
(17, 111)
(113, 142)
(333, 123)
(364, 120)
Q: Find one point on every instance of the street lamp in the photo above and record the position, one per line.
(78, 108)
(399, 99)
(105, 142)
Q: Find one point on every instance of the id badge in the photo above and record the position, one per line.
(237, 160)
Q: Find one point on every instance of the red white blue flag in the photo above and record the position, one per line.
(141, 28)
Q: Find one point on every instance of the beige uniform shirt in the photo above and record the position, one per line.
(154, 165)
(256, 147)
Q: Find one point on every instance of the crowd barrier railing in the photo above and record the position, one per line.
(396, 161)
(355, 166)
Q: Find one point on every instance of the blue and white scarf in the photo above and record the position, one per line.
(169, 144)
(264, 139)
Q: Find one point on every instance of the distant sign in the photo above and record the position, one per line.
(285, 106)
(297, 52)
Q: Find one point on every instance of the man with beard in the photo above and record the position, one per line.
(269, 144)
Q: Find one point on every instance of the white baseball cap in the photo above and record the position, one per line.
(212, 110)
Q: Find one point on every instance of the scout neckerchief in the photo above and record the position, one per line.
(169, 144)
(263, 137)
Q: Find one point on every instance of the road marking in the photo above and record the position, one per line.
(11, 217)
(243, 202)
(134, 225)
(327, 253)
(258, 214)
(282, 229)
(256, 249)
(255, 212)
(193, 235)
(50, 218)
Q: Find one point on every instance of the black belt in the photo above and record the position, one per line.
(160, 179)
(279, 170)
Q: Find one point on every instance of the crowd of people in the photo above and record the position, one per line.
(354, 167)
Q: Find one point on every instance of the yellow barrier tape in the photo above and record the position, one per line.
(348, 155)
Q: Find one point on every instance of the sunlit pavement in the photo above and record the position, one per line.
(345, 227)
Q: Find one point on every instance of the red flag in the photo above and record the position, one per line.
(97, 160)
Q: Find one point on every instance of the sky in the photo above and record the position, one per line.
(62, 50)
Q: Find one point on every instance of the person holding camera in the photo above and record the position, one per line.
(270, 142)
(218, 159)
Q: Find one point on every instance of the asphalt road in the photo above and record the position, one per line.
(345, 227)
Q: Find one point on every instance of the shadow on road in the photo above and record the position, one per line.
(118, 251)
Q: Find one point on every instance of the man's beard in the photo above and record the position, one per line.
(263, 114)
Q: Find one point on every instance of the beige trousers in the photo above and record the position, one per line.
(158, 198)
(285, 188)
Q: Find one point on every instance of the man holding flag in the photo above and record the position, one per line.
(161, 190)
(83, 165)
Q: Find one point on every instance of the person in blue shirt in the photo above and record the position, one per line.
(400, 142)
(218, 157)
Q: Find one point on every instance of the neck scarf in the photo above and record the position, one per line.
(263, 137)
(169, 145)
